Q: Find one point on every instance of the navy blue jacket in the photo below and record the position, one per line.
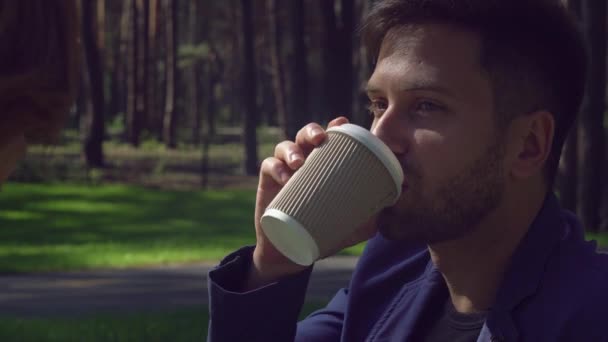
(556, 289)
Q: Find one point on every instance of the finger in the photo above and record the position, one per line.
(273, 172)
(310, 136)
(290, 153)
(341, 120)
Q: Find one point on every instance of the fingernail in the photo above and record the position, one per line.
(295, 157)
(284, 176)
(316, 132)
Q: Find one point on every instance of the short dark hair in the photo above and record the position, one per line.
(532, 51)
(39, 64)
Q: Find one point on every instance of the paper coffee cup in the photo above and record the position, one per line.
(343, 183)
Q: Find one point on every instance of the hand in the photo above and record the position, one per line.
(268, 263)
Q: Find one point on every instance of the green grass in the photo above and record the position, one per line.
(601, 238)
(183, 325)
(70, 227)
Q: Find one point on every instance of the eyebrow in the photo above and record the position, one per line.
(413, 86)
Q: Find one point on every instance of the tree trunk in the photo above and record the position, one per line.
(93, 146)
(345, 59)
(276, 62)
(329, 55)
(141, 100)
(236, 63)
(170, 117)
(123, 67)
(592, 120)
(299, 115)
(115, 101)
(160, 85)
(249, 90)
(214, 70)
(133, 124)
(338, 56)
(152, 110)
(363, 69)
(193, 76)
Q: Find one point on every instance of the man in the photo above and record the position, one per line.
(475, 98)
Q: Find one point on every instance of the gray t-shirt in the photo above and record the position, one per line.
(453, 326)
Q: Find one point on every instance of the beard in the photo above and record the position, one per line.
(454, 210)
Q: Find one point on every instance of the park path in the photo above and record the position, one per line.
(136, 289)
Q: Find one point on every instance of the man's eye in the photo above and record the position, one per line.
(376, 108)
(427, 106)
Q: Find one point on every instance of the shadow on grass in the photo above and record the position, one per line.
(54, 227)
(182, 325)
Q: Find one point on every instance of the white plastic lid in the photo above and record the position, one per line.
(379, 148)
(289, 237)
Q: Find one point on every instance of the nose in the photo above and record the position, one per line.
(392, 131)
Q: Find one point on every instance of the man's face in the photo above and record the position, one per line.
(433, 106)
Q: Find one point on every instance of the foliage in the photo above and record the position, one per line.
(190, 54)
(152, 164)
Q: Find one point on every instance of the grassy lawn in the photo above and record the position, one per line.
(69, 227)
(182, 325)
(601, 238)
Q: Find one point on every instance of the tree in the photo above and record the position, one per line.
(194, 74)
(151, 83)
(330, 58)
(299, 114)
(592, 120)
(94, 126)
(170, 116)
(114, 61)
(133, 122)
(142, 70)
(249, 90)
(363, 67)
(338, 55)
(276, 64)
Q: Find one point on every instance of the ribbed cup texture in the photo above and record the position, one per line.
(340, 186)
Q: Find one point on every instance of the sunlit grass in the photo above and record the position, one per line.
(59, 227)
(601, 238)
(69, 227)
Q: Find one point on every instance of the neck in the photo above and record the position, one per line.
(473, 266)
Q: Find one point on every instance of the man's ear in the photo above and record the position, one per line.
(531, 141)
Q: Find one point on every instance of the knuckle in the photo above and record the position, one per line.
(282, 148)
(283, 144)
(268, 163)
(313, 125)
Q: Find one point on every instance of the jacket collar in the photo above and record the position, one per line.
(526, 270)
(521, 280)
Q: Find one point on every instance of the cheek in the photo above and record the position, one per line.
(437, 156)
(429, 152)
